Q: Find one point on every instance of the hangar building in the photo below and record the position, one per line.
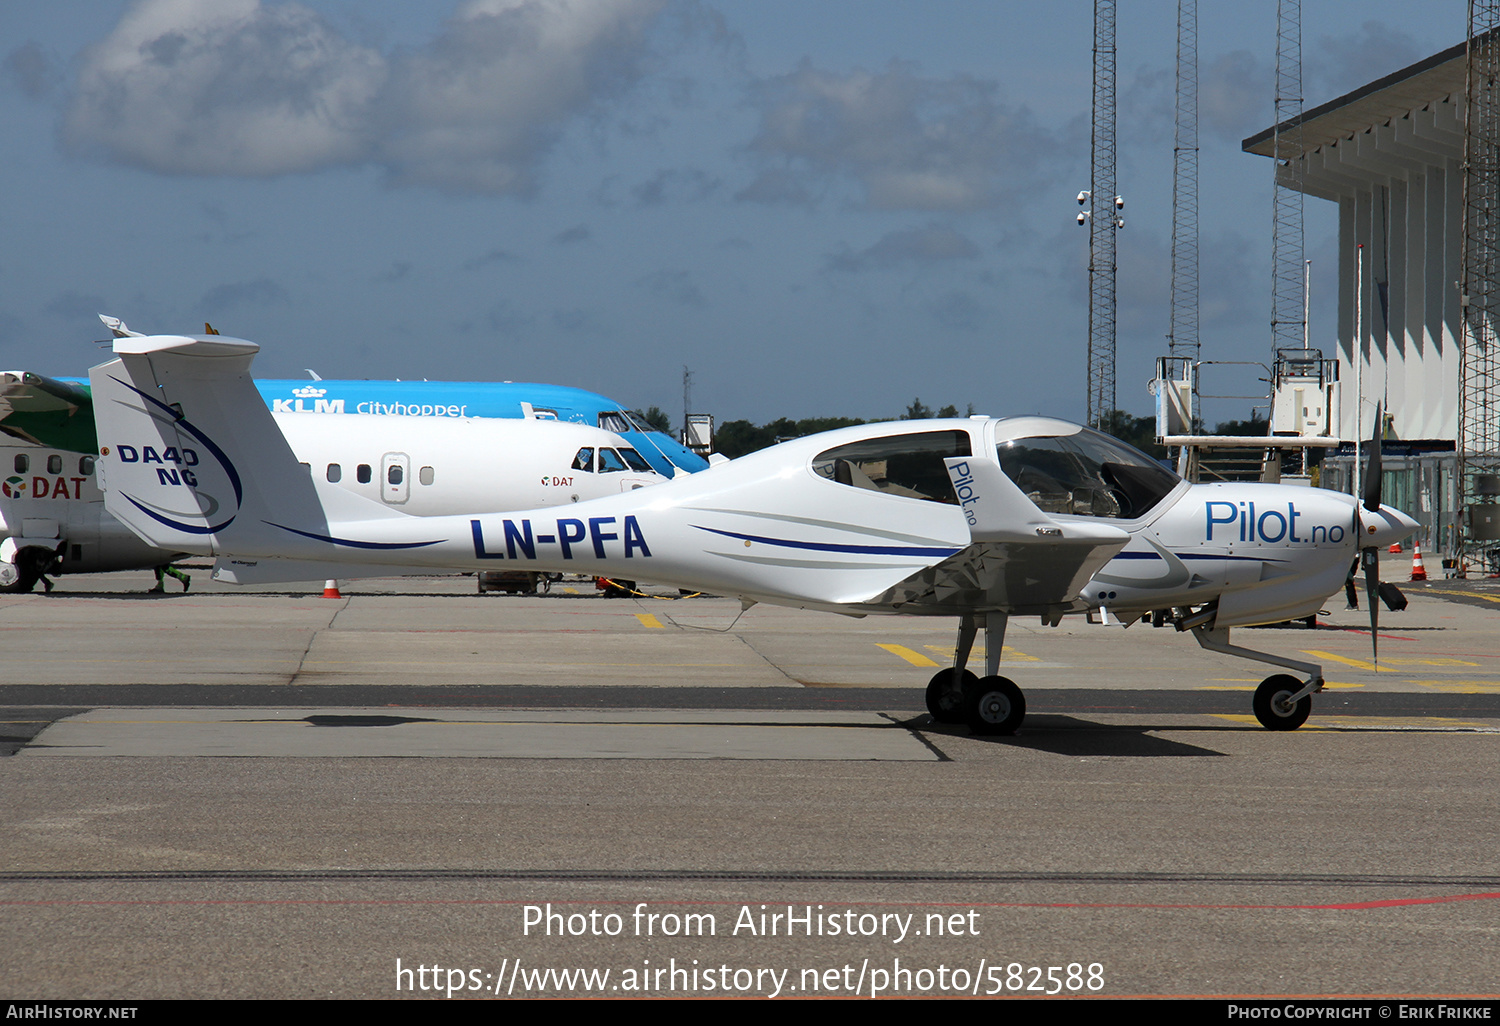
(1390, 154)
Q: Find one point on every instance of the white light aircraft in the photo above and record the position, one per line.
(980, 519)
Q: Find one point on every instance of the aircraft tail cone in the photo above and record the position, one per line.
(331, 590)
(1418, 571)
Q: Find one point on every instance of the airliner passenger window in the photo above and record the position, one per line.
(425, 475)
(54, 464)
(86, 465)
(584, 461)
(609, 461)
(23, 463)
(362, 473)
(335, 473)
(909, 464)
(393, 474)
(1086, 474)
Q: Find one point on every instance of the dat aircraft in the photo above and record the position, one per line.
(980, 520)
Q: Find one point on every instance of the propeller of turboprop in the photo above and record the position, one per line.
(1369, 556)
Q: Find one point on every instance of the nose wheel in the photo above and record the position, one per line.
(994, 705)
(1273, 703)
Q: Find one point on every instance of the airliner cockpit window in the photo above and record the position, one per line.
(635, 460)
(909, 464)
(609, 461)
(1086, 474)
(584, 460)
(615, 421)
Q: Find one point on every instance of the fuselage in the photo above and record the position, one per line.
(865, 520)
(421, 400)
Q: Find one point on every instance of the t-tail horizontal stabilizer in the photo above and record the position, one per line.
(192, 461)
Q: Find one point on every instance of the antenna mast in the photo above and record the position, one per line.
(1103, 222)
(1182, 336)
(1287, 268)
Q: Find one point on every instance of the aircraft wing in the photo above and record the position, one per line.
(47, 412)
(1020, 559)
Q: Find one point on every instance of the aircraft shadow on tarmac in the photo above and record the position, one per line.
(1069, 735)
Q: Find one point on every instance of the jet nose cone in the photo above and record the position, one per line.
(1386, 526)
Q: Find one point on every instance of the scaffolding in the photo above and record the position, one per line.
(1479, 368)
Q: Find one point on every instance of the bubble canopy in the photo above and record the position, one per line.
(1069, 469)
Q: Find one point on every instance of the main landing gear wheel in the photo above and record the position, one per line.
(945, 695)
(15, 581)
(993, 705)
(1273, 707)
(32, 564)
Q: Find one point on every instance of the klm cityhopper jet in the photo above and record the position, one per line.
(500, 399)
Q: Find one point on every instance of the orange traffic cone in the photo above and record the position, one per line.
(1396, 549)
(331, 589)
(1418, 571)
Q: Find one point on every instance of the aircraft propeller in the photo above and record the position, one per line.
(1369, 556)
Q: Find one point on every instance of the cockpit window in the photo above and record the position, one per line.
(909, 464)
(635, 460)
(609, 461)
(615, 421)
(1087, 474)
(584, 460)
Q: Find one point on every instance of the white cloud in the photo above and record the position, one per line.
(224, 87)
(251, 88)
(909, 143)
(473, 111)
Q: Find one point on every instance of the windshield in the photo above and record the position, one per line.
(1087, 474)
(635, 460)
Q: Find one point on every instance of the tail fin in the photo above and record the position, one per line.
(191, 459)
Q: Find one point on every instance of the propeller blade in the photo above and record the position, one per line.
(1370, 560)
(1372, 466)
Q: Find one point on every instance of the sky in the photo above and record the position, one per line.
(819, 207)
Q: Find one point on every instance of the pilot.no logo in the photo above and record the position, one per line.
(963, 487)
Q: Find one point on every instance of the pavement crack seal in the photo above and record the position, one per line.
(789, 678)
(312, 639)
